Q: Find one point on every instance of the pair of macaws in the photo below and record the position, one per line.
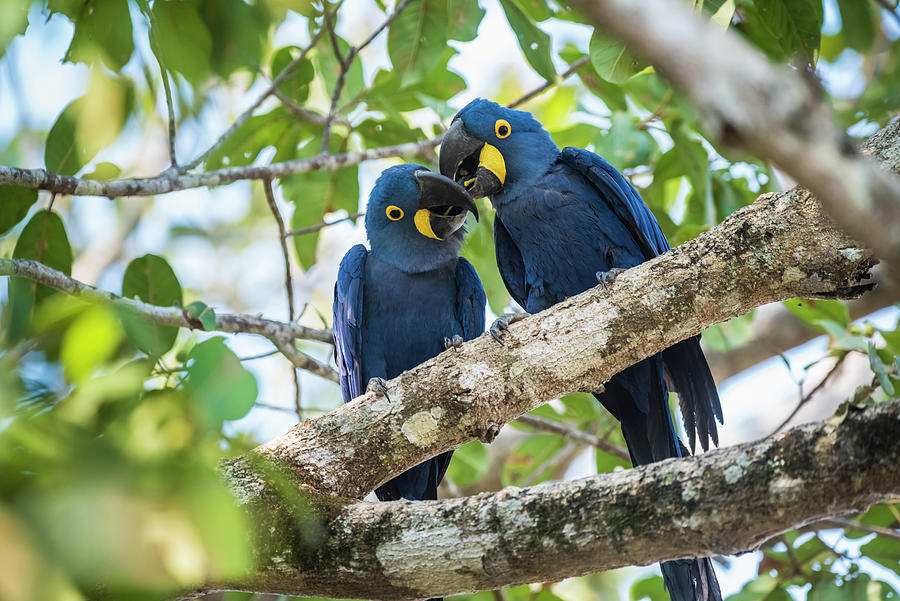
(564, 221)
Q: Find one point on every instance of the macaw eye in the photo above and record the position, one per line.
(501, 128)
(394, 213)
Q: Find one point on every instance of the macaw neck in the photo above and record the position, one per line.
(417, 254)
(533, 157)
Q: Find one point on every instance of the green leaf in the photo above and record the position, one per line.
(296, 85)
(531, 462)
(327, 68)
(103, 31)
(417, 38)
(104, 172)
(14, 204)
(612, 60)
(89, 342)
(624, 145)
(469, 464)
(812, 311)
(651, 588)
(217, 382)
(463, 19)
(275, 128)
(44, 240)
(239, 31)
(535, 44)
(730, 335)
(181, 39)
(763, 588)
(783, 29)
(478, 248)
(13, 21)
(317, 193)
(151, 279)
(203, 315)
(859, 21)
(61, 153)
(880, 370)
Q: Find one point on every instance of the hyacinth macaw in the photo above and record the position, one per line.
(408, 298)
(564, 220)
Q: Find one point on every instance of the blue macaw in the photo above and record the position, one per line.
(408, 298)
(564, 220)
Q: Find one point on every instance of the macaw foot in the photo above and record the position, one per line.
(605, 278)
(378, 386)
(502, 323)
(454, 342)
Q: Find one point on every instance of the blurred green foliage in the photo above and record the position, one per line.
(111, 427)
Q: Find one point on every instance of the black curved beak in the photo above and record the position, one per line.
(469, 161)
(442, 205)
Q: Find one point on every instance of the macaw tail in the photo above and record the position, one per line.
(638, 398)
(691, 580)
(418, 483)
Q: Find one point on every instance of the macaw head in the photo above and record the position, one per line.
(415, 218)
(491, 149)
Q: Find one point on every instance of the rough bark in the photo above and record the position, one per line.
(722, 502)
(781, 247)
(746, 101)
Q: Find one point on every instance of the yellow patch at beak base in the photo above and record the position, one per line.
(491, 159)
(422, 220)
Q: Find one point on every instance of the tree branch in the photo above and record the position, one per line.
(781, 247)
(585, 438)
(723, 502)
(745, 101)
(42, 179)
(279, 333)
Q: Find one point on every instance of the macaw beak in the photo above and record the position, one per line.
(442, 205)
(475, 164)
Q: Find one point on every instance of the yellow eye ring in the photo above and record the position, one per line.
(502, 128)
(394, 213)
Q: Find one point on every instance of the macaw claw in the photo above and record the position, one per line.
(605, 278)
(502, 323)
(378, 386)
(454, 342)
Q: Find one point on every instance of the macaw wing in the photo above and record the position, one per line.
(348, 316)
(686, 368)
(621, 197)
(470, 300)
(510, 263)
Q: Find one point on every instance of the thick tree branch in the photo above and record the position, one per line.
(280, 333)
(781, 247)
(745, 101)
(723, 502)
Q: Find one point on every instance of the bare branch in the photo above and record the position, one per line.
(584, 60)
(746, 101)
(584, 438)
(276, 331)
(808, 396)
(315, 228)
(845, 523)
(288, 281)
(273, 87)
(722, 502)
(42, 179)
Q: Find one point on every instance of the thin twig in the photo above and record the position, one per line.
(170, 106)
(548, 84)
(891, 9)
(345, 63)
(276, 331)
(259, 356)
(572, 434)
(315, 228)
(288, 281)
(285, 73)
(792, 556)
(806, 398)
(845, 523)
